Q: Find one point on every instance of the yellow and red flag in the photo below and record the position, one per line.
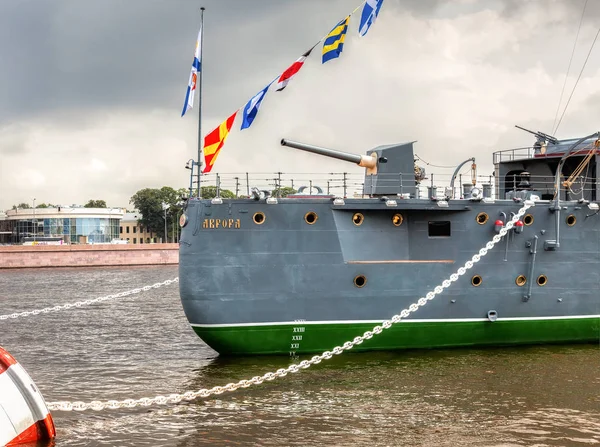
(214, 141)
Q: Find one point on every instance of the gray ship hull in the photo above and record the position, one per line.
(307, 276)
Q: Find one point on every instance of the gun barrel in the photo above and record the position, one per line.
(539, 134)
(361, 160)
(526, 130)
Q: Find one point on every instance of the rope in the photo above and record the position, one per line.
(569, 67)
(435, 166)
(577, 82)
(579, 169)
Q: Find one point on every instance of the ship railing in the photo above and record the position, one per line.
(278, 183)
(533, 152)
(519, 153)
(355, 184)
(339, 184)
(582, 187)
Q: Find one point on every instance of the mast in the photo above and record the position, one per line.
(199, 164)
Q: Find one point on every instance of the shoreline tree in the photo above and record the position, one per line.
(210, 192)
(95, 204)
(283, 192)
(148, 202)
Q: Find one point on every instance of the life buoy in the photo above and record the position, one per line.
(24, 416)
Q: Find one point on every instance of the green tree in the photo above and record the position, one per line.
(45, 205)
(283, 192)
(210, 192)
(149, 202)
(21, 206)
(95, 204)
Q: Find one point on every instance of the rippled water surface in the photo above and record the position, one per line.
(142, 345)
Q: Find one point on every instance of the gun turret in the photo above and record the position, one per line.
(365, 161)
(389, 169)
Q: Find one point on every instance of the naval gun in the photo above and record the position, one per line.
(541, 140)
(541, 136)
(390, 169)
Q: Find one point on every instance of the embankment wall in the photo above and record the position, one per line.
(20, 256)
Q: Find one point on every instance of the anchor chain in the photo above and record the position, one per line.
(88, 302)
(304, 364)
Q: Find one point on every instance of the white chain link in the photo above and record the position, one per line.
(88, 302)
(304, 364)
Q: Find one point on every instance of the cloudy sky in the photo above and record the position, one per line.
(92, 90)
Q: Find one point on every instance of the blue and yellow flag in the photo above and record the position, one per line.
(334, 42)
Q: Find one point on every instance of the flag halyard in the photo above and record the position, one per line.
(333, 45)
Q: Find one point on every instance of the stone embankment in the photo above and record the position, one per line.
(21, 256)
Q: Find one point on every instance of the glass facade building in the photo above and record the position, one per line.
(72, 225)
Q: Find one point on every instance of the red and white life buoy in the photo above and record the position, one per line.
(24, 416)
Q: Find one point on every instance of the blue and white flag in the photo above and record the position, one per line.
(252, 107)
(369, 14)
(191, 90)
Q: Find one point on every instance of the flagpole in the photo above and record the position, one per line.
(199, 165)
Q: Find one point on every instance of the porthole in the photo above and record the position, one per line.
(482, 218)
(259, 218)
(360, 281)
(357, 219)
(183, 220)
(542, 280)
(528, 219)
(310, 217)
(476, 280)
(571, 219)
(521, 280)
(397, 219)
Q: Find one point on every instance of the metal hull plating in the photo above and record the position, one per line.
(316, 337)
(284, 286)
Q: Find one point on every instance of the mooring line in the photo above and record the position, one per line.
(88, 302)
(304, 364)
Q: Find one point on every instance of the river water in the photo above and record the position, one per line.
(142, 345)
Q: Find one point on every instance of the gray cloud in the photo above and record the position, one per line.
(89, 55)
(573, 9)
(95, 89)
(69, 54)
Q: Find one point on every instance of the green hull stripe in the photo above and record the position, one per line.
(411, 321)
(302, 338)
